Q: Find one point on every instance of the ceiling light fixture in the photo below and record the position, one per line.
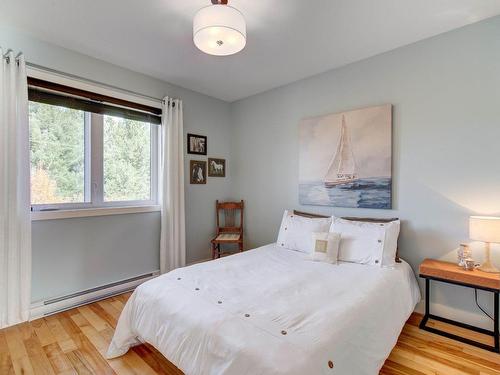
(219, 29)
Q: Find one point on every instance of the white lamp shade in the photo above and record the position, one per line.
(484, 228)
(219, 30)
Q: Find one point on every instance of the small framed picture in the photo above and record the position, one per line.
(198, 171)
(216, 167)
(196, 144)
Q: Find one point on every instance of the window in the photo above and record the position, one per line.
(86, 154)
(57, 143)
(127, 160)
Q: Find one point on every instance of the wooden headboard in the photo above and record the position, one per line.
(307, 214)
(363, 219)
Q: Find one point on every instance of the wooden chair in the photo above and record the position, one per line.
(229, 232)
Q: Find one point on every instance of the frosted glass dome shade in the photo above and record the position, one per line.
(219, 30)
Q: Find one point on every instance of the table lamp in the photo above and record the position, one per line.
(485, 229)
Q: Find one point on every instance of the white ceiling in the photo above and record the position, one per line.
(287, 39)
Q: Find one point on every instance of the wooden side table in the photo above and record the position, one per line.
(450, 273)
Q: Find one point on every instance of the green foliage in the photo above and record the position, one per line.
(127, 158)
(57, 147)
(57, 156)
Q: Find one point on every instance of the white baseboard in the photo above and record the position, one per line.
(42, 308)
(420, 308)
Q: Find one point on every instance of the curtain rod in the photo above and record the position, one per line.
(6, 56)
(86, 80)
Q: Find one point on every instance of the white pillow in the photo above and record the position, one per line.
(325, 247)
(391, 242)
(367, 243)
(295, 231)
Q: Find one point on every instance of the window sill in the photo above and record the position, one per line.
(89, 212)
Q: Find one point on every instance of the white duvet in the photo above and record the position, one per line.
(271, 311)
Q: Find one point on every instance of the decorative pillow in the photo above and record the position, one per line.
(367, 243)
(325, 247)
(295, 231)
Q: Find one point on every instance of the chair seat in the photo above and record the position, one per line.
(226, 237)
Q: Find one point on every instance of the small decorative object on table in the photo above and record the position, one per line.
(463, 253)
(469, 264)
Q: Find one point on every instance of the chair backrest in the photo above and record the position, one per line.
(229, 210)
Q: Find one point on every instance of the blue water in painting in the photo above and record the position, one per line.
(362, 193)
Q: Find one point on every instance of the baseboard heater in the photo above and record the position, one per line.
(84, 297)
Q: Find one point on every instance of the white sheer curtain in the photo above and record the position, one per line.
(173, 236)
(15, 224)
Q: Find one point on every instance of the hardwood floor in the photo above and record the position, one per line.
(75, 341)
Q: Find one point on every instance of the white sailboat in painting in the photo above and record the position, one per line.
(342, 169)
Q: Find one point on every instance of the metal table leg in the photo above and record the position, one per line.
(497, 323)
(427, 304)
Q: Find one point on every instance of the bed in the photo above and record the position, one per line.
(271, 311)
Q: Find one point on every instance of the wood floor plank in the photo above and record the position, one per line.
(58, 359)
(95, 320)
(452, 354)
(397, 368)
(90, 359)
(39, 361)
(3, 342)
(6, 366)
(15, 343)
(451, 346)
(110, 309)
(155, 360)
(22, 366)
(43, 332)
(131, 360)
(81, 365)
(75, 342)
(101, 342)
(117, 304)
(104, 314)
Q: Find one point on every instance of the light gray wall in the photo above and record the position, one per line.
(446, 157)
(66, 253)
(80, 253)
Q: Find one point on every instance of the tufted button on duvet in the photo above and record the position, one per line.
(196, 288)
(219, 302)
(376, 261)
(247, 315)
(330, 364)
(379, 241)
(178, 278)
(283, 332)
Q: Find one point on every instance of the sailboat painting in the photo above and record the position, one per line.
(345, 159)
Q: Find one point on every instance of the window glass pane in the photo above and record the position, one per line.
(126, 159)
(57, 145)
